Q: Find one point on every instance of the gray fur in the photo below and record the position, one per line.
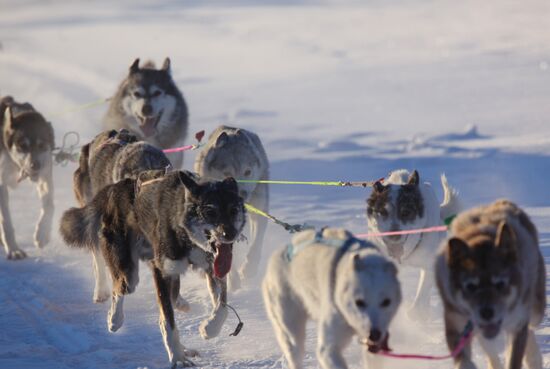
(149, 97)
(239, 153)
(26, 145)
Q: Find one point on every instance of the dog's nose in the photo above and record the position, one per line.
(375, 335)
(35, 165)
(229, 234)
(487, 313)
(147, 109)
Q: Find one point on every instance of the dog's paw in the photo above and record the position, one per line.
(212, 327)
(101, 296)
(115, 319)
(41, 237)
(190, 353)
(182, 305)
(182, 362)
(16, 254)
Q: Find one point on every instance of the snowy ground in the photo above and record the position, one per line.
(337, 90)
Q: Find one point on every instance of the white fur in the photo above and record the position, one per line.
(419, 250)
(302, 288)
(174, 267)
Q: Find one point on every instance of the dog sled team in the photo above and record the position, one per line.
(134, 203)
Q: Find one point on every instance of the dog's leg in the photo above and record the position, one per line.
(170, 335)
(13, 251)
(177, 301)
(334, 336)
(454, 325)
(491, 349)
(516, 347)
(115, 317)
(420, 309)
(258, 226)
(212, 326)
(532, 358)
(289, 323)
(44, 225)
(101, 290)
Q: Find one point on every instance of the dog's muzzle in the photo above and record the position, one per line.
(376, 341)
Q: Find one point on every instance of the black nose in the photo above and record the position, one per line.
(147, 110)
(35, 165)
(375, 335)
(229, 234)
(487, 313)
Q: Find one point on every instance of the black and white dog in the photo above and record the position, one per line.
(175, 223)
(25, 152)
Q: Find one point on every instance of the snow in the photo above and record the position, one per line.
(337, 90)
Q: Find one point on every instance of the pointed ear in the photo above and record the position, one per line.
(414, 178)
(223, 138)
(166, 66)
(457, 253)
(378, 186)
(134, 68)
(357, 262)
(8, 118)
(188, 181)
(230, 184)
(505, 240)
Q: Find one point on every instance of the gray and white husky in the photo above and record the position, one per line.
(25, 152)
(149, 104)
(490, 271)
(173, 222)
(110, 157)
(345, 284)
(403, 203)
(238, 153)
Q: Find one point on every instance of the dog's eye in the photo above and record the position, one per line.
(138, 95)
(499, 283)
(385, 303)
(233, 211)
(247, 172)
(156, 93)
(405, 213)
(210, 213)
(22, 147)
(361, 304)
(471, 286)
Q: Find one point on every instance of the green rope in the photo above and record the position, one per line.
(291, 228)
(80, 107)
(312, 183)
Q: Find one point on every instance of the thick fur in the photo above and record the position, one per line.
(403, 202)
(25, 152)
(173, 222)
(356, 293)
(238, 153)
(110, 157)
(491, 271)
(149, 104)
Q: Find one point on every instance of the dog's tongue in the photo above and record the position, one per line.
(222, 259)
(147, 126)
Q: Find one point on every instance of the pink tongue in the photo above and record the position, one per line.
(222, 260)
(148, 128)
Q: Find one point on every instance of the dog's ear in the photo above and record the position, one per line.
(414, 178)
(222, 139)
(166, 66)
(8, 118)
(458, 252)
(378, 186)
(134, 68)
(357, 265)
(188, 181)
(230, 185)
(505, 241)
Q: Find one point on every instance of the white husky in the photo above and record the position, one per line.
(404, 203)
(343, 283)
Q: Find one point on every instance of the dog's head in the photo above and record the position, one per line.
(395, 206)
(29, 140)
(368, 295)
(213, 217)
(147, 95)
(231, 156)
(484, 275)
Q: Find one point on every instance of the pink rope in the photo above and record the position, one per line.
(411, 231)
(179, 149)
(458, 349)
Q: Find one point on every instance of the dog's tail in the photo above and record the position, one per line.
(79, 227)
(451, 204)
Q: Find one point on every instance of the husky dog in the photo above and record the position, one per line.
(175, 223)
(404, 203)
(25, 152)
(345, 284)
(238, 153)
(491, 271)
(149, 104)
(108, 158)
